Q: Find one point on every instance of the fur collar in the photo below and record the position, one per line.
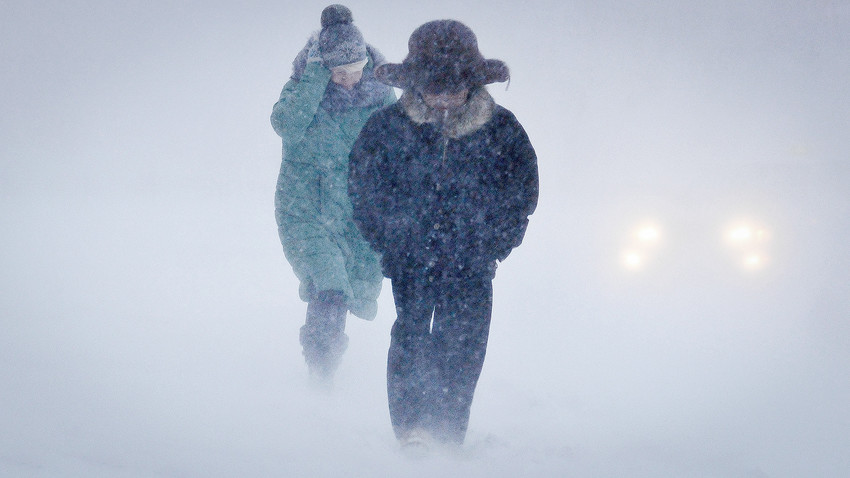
(470, 117)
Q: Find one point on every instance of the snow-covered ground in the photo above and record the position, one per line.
(148, 319)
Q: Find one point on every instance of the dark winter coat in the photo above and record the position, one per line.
(443, 196)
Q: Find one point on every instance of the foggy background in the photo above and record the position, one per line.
(149, 320)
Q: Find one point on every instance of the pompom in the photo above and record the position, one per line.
(335, 14)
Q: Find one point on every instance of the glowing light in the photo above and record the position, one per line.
(754, 261)
(648, 234)
(741, 234)
(745, 234)
(632, 260)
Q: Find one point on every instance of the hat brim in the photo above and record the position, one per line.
(409, 75)
(393, 74)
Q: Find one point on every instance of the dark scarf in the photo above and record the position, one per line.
(367, 93)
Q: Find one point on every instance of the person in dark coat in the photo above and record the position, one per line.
(442, 184)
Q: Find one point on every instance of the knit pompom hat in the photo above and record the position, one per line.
(443, 56)
(340, 42)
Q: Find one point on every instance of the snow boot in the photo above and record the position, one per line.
(416, 443)
(323, 337)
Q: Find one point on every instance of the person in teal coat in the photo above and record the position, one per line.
(322, 108)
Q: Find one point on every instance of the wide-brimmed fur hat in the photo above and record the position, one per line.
(443, 56)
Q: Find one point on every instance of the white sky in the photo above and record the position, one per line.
(150, 320)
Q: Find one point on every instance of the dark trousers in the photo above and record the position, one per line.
(323, 333)
(433, 367)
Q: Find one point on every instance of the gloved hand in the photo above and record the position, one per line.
(313, 54)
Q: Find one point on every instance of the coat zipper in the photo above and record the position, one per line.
(445, 150)
(445, 136)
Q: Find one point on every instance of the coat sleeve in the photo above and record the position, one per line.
(298, 103)
(364, 183)
(519, 197)
(386, 215)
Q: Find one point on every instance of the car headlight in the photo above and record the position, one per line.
(749, 243)
(640, 248)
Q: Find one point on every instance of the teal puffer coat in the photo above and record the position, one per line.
(313, 211)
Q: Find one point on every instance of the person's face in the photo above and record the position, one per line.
(445, 101)
(347, 76)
